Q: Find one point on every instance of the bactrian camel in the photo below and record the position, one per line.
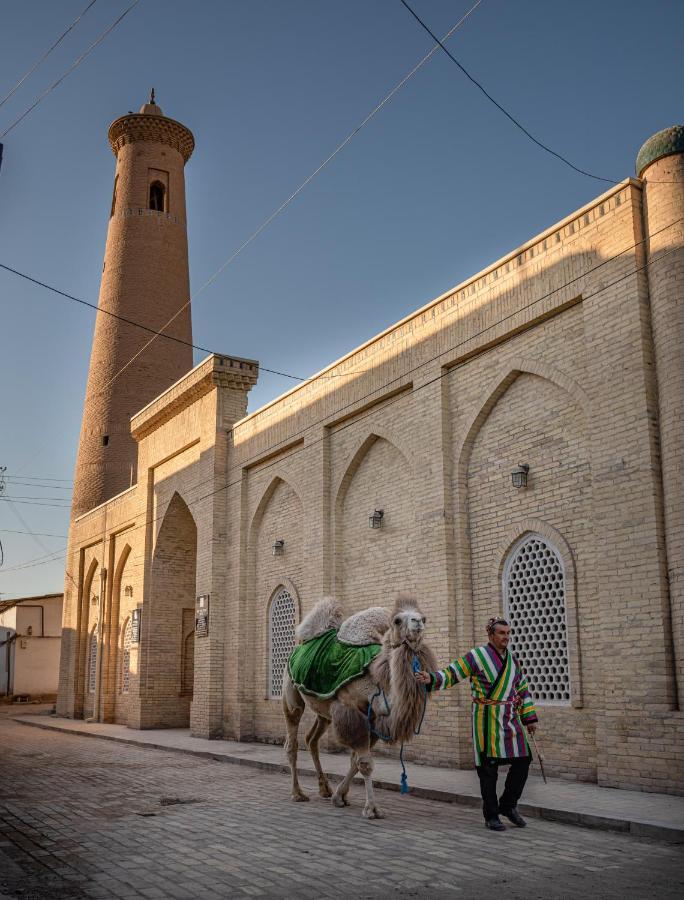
(398, 701)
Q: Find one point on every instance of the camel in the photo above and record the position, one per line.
(388, 684)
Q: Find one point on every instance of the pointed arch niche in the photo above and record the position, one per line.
(89, 614)
(374, 565)
(171, 602)
(279, 515)
(117, 700)
(530, 413)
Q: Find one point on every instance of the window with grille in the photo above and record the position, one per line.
(534, 600)
(281, 639)
(92, 661)
(126, 658)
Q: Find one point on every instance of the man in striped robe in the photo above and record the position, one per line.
(503, 711)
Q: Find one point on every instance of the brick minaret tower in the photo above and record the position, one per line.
(660, 165)
(144, 279)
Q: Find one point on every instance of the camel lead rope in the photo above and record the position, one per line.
(404, 788)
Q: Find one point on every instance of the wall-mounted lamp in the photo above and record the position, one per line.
(519, 475)
(375, 521)
(128, 590)
(278, 547)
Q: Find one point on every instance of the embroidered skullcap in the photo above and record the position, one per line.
(493, 622)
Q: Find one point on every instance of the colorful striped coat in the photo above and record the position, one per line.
(498, 731)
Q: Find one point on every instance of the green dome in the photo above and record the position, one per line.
(663, 143)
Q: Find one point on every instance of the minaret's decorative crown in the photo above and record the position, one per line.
(150, 124)
(663, 143)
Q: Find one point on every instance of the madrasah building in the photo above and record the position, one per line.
(516, 445)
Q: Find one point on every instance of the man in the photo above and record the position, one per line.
(502, 705)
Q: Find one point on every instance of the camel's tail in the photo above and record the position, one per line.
(326, 614)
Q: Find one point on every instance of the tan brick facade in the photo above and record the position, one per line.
(566, 356)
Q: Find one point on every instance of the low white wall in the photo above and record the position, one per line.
(36, 665)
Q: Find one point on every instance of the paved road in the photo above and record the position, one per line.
(86, 818)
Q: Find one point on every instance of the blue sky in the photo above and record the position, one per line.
(436, 186)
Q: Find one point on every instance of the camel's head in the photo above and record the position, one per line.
(408, 624)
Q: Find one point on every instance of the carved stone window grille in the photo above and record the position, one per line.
(92, 661)
(126, 659)
(281, 639)
(534, 601)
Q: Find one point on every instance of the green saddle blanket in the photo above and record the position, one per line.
(324, 664)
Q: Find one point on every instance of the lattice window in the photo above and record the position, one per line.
(92, 661)
(534, 598)
(126, 658)
(281, 639)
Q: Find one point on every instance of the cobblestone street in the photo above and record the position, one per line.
(87, 818)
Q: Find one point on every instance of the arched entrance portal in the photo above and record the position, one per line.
(168, 610)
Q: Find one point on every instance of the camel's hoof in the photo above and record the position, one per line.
(339, 801)
(372, 812)
(325, 792)
(299, 797)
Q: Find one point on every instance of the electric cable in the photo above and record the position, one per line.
(498, 105)
(274, 448)
(295, 193)
(46, 54)
(33, 533)
(71, 68)
(402, 396)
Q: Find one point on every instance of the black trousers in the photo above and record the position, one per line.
(513, 788)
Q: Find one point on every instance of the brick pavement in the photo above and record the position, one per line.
(642, 813)
(81, 818)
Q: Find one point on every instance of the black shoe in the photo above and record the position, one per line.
(515, 817)
(495, 824)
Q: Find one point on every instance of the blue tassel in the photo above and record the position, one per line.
(404, 789)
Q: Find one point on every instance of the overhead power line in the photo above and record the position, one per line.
(39, 477)
(37, 485)
(162, 332)
(128, 321)
(296, 193)
(444, 374)
(46, 54)
(33, 533)
(499, 106)
(33, 503)
(38, 561)
(71, 68)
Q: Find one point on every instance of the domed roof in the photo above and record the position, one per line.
(663, 143)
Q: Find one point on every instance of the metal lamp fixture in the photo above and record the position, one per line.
(278, 547)
(519, 475)
(375, 520)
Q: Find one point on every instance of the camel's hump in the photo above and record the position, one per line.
(326, 614)
(365, 627)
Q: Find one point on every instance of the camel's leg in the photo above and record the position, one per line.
(318, 729)
(339, 798)
(293, 708)
(371, 810)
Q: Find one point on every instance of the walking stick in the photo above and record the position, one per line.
(540, 755)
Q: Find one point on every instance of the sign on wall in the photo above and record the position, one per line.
(202, 615)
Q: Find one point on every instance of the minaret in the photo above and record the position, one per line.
(144, 279)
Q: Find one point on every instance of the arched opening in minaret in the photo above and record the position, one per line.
(158, 196)
(167, 670)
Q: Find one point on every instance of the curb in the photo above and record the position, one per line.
(670, 834)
